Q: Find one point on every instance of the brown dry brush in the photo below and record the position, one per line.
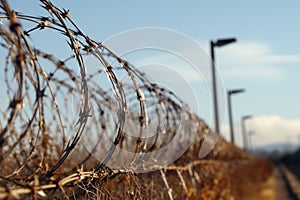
(40, 140)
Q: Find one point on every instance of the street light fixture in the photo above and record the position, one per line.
(245, 141)
(251, 148)
(218, 43)
(223, 42)
(229, 93)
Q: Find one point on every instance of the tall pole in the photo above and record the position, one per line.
(245, 141)
(213, 67)
(230, 117)
(251, 133)
(245, 138)
(218, 43)
(229, 93)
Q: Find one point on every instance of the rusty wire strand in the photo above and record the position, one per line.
(39, 138)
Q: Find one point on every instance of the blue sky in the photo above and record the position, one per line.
(265, 60)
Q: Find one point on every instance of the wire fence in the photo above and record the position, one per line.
(67, 121)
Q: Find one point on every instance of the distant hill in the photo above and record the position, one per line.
(279, 147)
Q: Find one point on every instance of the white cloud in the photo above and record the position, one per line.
(274, 129)
(247, 50)
(252, 51)
(255, 60)
(245, 59)
(267, 129)
(255, 72)
(282, 59)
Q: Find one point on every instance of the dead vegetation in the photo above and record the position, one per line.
(63, 133)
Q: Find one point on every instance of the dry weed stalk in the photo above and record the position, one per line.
(37, 135)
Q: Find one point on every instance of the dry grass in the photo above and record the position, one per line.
(40, 141)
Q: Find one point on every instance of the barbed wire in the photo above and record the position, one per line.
(49, 102)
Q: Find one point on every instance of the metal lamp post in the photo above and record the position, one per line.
(245, 140)
(229, 93)
(251, 146)
(218, 43)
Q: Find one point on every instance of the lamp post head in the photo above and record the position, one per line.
(246, 117)
(222, 42)
(236, 91)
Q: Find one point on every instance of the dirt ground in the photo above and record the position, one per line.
(254, 180)
(272, 189)
(263, 191)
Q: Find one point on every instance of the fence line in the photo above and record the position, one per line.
(50, 102)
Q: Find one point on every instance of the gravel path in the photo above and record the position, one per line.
(280, 188)
(274, 188)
